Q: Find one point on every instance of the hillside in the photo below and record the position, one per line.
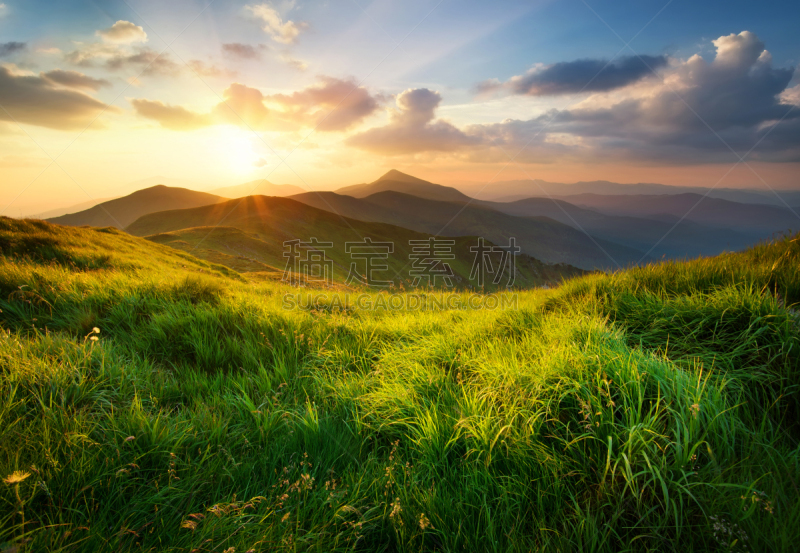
(248, 235)
(121, 212)
(540, 237)
(155, 401)
(396, 181)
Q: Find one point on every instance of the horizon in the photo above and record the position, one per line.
(321, 97)
(259, 184)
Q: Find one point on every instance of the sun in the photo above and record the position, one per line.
(236, 148)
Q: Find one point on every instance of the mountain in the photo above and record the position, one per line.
(248, 235)
(508, 191)
(665, 238)
(258, 187)
(753, 220)
(400, 182)
(540, 237)
(172, 182)
(121, 212)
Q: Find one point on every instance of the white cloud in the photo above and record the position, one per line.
(123, 32)
(791, 96)
(284, 32)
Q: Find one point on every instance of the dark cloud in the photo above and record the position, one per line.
(412, 128)
(74, 79)
(8, 48)
(244, 51)
(330, 105)
(36, 100)
(571, 77)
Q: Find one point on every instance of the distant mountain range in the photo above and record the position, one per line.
(750, 219)
(541, 237)
(580, 229)
(509, 191)
(670, 237)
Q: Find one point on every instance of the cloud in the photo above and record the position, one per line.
(412, 128)
(8, 48)
(116, 57)
(3, 10)
(36, 100)
(123, 32)
(273, 24)
(146, 60)
(53, 51)
(243, 51)
(677, 118)
(204, 69)
(119, 51)
(791, 96)
(172, 117)
(736, 94)
(298, 64)
(330, 105)
(579, 76)
(74, 79)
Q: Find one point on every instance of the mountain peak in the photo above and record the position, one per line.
(399, 176)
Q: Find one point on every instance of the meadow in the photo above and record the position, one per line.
(153, 401)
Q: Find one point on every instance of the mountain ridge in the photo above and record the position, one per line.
(121, 212)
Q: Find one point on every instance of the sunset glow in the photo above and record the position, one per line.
(322, 95)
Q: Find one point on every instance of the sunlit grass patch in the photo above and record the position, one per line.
(164, 403)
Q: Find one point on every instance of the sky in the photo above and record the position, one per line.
(99, 97)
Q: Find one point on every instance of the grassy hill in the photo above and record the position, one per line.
(121, 212)
(153, 401)
(541, 237)
(396, 181)
(248, 235)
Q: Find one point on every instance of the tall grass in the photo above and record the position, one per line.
(159, 402)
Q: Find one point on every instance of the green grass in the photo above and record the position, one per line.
(653, 409)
